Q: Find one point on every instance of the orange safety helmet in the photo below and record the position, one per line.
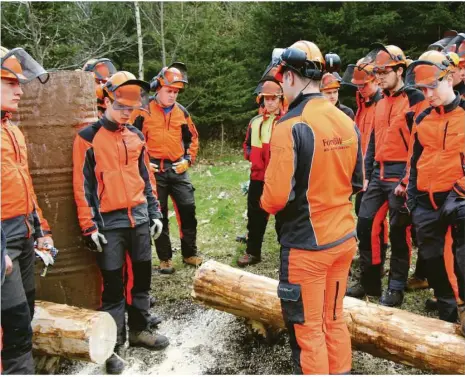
(17, 64)
(126, 92)
(101, 68)
(430, 68)
(304, 58)
(270, 87)
(457, 45)
(330, 81)
(381, 57)
(174, 76)
(358, 74)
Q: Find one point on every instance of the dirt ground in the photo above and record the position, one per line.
(206, 341)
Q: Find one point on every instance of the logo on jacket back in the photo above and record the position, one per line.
(332, 142)
(336, 143)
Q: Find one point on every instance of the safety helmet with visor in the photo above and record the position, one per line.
(126, 92)
(426, 72)
(17, 64)
(175, 76)
(330, 81)
(102, 69)
(384, 58)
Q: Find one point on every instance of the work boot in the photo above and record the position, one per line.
(392, 298)
(153, 301)
(247, 260)
(115, 363)
(193, 261)
(414, 283)
(166, 267)
(431, 304)
(154, 320)
(356, 291)
(149, 339)
(461, 312)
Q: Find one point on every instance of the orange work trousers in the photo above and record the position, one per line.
(311, 288)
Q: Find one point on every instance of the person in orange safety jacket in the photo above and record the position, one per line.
(21, 217)
(436, 186)
(385, 164)
(118, 210)
(172, 144)
(257, 150)
(316, 165)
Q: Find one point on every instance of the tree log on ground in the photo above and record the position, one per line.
(389, 333)
(72, 332)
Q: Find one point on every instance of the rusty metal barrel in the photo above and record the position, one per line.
(49, 116)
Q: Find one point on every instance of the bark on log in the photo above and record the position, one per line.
(72, 332)
(389, 333)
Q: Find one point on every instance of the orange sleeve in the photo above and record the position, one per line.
(279, 175)
(84, 184)
(405, 178)
(191, 141)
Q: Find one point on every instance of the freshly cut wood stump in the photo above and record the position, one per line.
(389, 333)
(73, 332)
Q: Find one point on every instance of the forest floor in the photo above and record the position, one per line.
(206, 341)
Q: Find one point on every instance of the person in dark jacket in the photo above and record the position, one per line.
(330, 84)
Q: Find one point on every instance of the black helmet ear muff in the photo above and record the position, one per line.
(332, 62)
(155, 83)
(296, 60)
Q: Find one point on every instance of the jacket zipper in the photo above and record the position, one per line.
(14, 141)
(126, 150)
(445, 134)
(403, 139)
(103, 187)
(335, 300)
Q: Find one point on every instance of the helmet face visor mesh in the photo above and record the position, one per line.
(423, 74)
(21, 65)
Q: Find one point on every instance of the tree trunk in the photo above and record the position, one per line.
(72, 332)
(393, 334)
(162, 34)
(139, 41)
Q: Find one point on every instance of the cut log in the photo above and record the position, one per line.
(389, 333)
(71, 332)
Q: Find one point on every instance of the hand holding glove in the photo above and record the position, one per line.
(95, 241)
(154, 167)
(181, 166)
(156, 226)
(44, 242)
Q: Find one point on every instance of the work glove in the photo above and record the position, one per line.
(181, 166)
(154, 167)
(156, 226)
(42, 241)
(95, 240)
(47, 253)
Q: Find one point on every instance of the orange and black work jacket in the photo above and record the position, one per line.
(170, 136)
(257, 144)
(21, 215)
(392, 124)
(316, 165)
(438, 162)
(112, 184)
(364, 116)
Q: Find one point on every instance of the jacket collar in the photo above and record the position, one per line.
(6, 115)
(374, 98)
(111, 126)
(397, 93)
(304, 98)
(451, 106)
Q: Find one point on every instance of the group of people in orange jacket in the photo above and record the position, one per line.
(401, 154)
(311, 158)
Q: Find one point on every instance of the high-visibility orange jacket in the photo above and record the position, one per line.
(438, 162)
(316, 165)
(389, 140)
(21, 215)
(364, 116)
(257, 144)
(113, 187)
(170, 136)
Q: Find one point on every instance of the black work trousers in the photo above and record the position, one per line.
(379, 193)
(257, 219)
(18, 295)
(137, 242)
(181, 191)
